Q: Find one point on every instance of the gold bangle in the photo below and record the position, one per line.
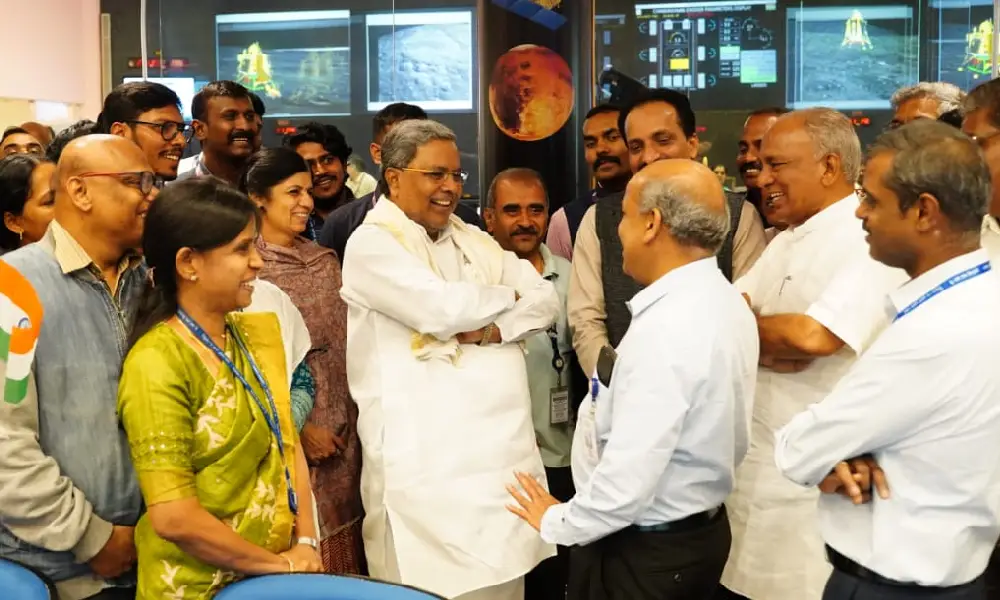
(487, 334)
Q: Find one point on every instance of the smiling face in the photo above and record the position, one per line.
(287, 207)
(520, 216)
(328, 174)
(429, 188)
(225, 275)
(164, 156)
(229, 129)
(791, 175)
(748, 157)
(978, 125)
(653, 132)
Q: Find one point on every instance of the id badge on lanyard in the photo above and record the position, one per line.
(558, 395)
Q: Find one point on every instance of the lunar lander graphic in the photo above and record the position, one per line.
(253, 70)
(547, 4)
(978, 51)
(856, 32)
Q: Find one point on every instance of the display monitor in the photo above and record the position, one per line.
(961, 41)
(850, 58)
(184, 87)
(725, 54)
(609, 32)
(298, 62)
(423, 58)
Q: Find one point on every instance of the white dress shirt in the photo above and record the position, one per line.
(822, 269)
(924, 400)
(990, 239)
(674, 423)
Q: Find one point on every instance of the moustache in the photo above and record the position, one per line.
(324, 179)
(525, 231)
(606, 160)
(751, 165)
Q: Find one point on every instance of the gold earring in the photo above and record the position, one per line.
(194, 278)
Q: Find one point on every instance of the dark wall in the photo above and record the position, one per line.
(186, 29)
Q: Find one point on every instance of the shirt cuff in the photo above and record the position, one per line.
(94, 538)
(827, 318)
(553, 522)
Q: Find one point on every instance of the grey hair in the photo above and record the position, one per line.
(690, 222)
(987, 96)
(948, 96)
(519, 174)
(933, 158)
(833, 133)
(403, 141)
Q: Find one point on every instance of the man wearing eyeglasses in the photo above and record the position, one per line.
(149, 114)
(437, 311)
(69, 497)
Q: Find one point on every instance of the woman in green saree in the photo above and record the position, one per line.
(204, 400)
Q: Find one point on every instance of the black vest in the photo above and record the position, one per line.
(574, 212)
(619, 288)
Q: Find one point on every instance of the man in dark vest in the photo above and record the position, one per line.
(657, 125)
(606, 153)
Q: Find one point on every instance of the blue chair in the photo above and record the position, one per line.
(320, 587)
(24, 583)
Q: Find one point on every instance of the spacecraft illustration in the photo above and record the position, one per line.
(253, 70)
(856, 32)
(978, 49)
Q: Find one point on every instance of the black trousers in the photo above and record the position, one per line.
(648, 565)
(842, 586)
(548, 580)
(724, 593)
(992, 576)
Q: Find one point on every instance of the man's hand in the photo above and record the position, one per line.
(531, 507)
(304, 559)
(319, 444)
(118, 554)
(854, 479)
(476, 337)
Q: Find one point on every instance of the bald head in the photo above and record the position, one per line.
(100, 153)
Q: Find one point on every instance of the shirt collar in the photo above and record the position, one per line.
(912, 290)
(679, 278)
(831, 214)
(990, 226)
(72, 257)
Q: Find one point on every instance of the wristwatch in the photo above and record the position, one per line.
(308, 541)
(487, 334)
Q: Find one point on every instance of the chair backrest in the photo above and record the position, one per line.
(18, 581)
(320, 587)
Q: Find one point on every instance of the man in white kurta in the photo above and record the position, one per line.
(819, 299)
(435, 313)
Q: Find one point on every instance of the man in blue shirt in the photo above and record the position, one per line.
(658, 441)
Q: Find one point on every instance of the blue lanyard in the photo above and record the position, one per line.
(595, 389)
(270, 416)
(951, 282)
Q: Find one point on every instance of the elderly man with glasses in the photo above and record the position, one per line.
(149, 114)
(436, 313)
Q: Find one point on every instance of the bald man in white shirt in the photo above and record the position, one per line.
(923, 403)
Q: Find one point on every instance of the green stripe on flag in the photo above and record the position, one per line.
(15, 390)
(4, 345)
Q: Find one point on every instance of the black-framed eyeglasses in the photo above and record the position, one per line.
(168, 129)
(438, 176)
(144, 181)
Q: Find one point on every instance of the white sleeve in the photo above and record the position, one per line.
(538, 306)
(853, 306)
(380, 275)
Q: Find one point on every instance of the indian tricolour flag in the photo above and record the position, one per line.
(20, 324)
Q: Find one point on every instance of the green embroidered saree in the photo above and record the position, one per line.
(193, 433)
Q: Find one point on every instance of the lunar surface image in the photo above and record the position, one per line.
(433, 62)
(531, 93)
(828, 73)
